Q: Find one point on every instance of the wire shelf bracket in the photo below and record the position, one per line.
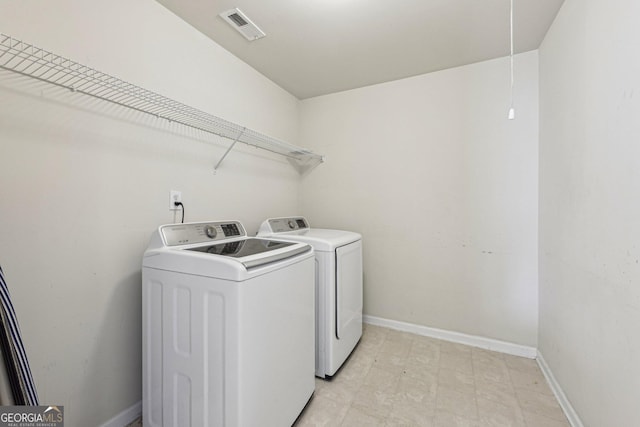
(31, 61)
(215, 168)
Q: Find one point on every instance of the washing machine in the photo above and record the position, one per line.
(228, 327)
(338, 277)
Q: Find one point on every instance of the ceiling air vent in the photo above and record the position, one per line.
(242, 24)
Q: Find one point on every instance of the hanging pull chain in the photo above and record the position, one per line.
(512, 111)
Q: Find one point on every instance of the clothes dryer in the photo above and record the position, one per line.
(338, 277)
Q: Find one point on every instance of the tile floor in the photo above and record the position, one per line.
(400, 379)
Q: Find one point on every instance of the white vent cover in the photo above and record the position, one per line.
(242, 24)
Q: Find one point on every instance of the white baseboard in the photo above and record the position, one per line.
(566, 406)
(125, 417)
(457, 337)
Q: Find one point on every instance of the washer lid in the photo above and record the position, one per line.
(219, 249)
(244, 250)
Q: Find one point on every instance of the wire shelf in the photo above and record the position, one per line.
(31, 61)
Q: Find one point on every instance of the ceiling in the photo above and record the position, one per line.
(316, 47)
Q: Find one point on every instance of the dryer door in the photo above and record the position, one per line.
(348, 291)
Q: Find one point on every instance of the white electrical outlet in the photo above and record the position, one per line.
(174, 196)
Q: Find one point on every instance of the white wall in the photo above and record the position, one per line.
(590, 209)
(444, 190)
(83, 185)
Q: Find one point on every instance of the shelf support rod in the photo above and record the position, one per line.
(215, 168)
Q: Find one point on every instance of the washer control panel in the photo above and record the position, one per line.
(281, 225)
(201, 232)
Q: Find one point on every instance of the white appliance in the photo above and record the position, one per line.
(338, 287)
(228, 327)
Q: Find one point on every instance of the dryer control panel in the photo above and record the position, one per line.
(281, 225)
(201, 232)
